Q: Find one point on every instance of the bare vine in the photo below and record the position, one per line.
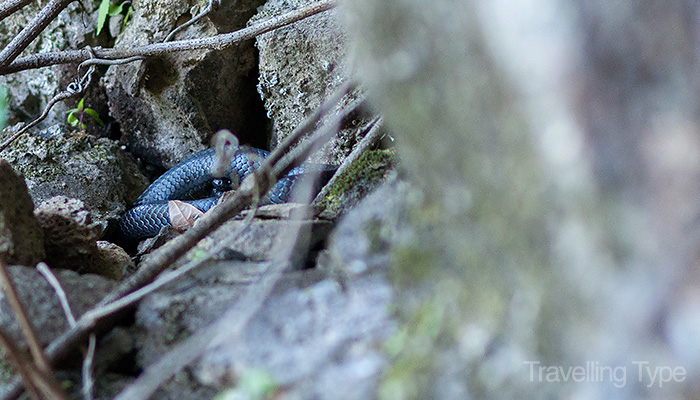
(217, 42)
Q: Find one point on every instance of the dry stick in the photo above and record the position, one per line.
(24, 365)
(235, 319)
(10, 6)
(217, 42)
(88, 382)
(212, 5)
(32, 30)
(166, 255)
(59, 97)
(166, 278)
(60, 293)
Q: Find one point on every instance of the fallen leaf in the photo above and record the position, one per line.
(182, 215)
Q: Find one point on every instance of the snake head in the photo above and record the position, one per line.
(220, 185)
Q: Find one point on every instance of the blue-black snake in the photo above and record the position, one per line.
(191, 181)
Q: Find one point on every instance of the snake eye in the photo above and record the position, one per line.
(220, 185)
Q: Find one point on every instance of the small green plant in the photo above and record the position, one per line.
(107, 9)
(76, 115)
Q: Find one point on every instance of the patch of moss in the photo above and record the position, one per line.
(44, 169)
(360, 177)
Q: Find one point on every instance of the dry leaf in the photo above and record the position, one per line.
(182, 215)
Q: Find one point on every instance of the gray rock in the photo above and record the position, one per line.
(21, 239)
(553, 224)
(168, 107)
(257, 240)
(318, 342)
(41, 302)
(312, 336)
(115, 263)
(300, 65)
(71, 240)
(361, 242)
(319, 332)
(96, 171)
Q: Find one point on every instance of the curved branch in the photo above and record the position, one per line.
(217, 42)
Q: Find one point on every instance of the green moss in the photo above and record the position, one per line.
(369, 168)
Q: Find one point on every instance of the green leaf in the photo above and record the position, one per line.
(102, 15)
(115, 10)
(81, 104)
(72, 119)
(94, 115)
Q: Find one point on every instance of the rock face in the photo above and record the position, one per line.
(21, 238)
(71, 240)
(168, 107)
(301, 65)
(96, 171)
(43, 307)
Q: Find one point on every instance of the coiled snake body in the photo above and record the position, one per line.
(191, 181)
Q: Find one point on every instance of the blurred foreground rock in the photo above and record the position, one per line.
(557, 148)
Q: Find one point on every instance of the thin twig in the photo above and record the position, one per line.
(212, 5)
(75, 88)
(217, 42)
(168, 254)
(235, 319)
(32, 30)
(60, 293)
(23, 364)
(88, 382)
(168, 277)
(8, 7)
